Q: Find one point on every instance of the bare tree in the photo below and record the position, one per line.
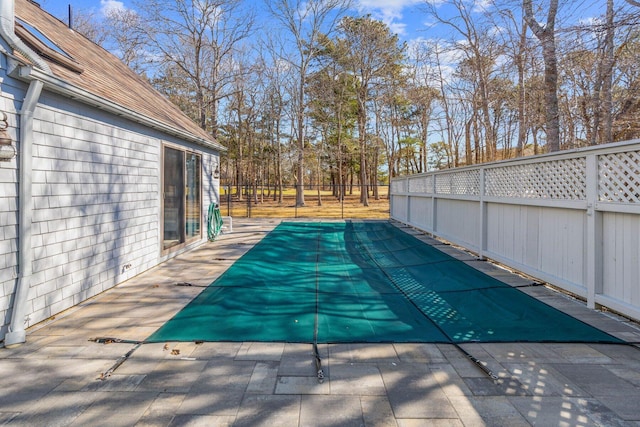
(243, 113)
(606, 74)
(277, 75)
(446, 123)
(514, 38)
(199, 38)
(305, 21)
(88, 24)
(232, 25)
(422, 98)
(546, 34)
(626, 111)
(614, 22)
(479, 54)
(125, 38)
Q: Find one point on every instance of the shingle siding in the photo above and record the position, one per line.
(98, 196)
(96, 200)
(96, 175)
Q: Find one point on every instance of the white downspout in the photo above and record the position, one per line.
(17, 334)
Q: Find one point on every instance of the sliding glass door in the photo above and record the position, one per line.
(192, 198)
(181, 178)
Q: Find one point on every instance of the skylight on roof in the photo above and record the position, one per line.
(42, 38)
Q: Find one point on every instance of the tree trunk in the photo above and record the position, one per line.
(279, 161)
(362, 127)
(520, 63)
(300, 122)
(373, 174)
(468, 152)
(546, 35)
(552, 114)
(607, 82)
(490, 143)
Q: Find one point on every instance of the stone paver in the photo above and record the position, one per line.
(357, 379)
(330, 410)
(54, 378)
(268, 411)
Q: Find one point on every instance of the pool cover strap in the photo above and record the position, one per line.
(337, 282)
(316, 352)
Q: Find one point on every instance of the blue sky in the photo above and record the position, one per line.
(402, 16)
(407, 18)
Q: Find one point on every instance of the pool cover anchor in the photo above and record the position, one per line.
(316, 353)
(106, 374)
(319, 370)
(478, 363)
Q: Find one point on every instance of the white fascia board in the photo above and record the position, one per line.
(64, 88)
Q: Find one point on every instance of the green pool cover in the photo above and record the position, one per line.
(338, 282)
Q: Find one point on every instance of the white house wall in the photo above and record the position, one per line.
(96, 199)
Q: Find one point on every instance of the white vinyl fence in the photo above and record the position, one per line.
(570, 218)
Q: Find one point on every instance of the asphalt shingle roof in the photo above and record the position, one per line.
(103, 74)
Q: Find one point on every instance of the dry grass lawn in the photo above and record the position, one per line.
(330, 208)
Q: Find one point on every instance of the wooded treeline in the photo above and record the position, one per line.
(321, 96)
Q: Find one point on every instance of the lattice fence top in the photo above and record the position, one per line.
(619, 177)
(421, 184)
(398, 186)
(461, 183)
(563, 179)
(558, 180)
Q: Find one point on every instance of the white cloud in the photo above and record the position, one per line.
(388, 11)
(388, 4)
(397, 28)
(482, 5)
(111, 6)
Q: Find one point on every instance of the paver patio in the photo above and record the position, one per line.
(54, 379)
